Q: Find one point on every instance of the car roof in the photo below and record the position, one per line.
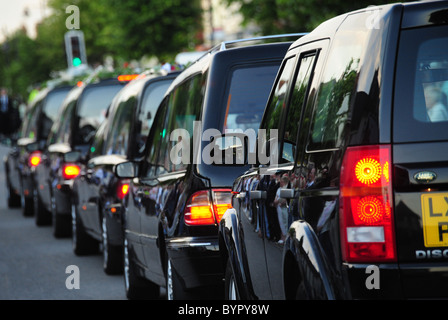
(415, 14)
(234, 54)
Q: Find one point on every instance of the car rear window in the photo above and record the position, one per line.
(95, 101)
(248, 94)
(421, 88)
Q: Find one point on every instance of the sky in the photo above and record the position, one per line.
(13, 17)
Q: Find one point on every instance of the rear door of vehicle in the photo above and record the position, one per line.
(420, 156)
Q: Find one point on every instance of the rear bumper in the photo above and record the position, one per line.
(196, 260)
(381, 282)
(404, 281)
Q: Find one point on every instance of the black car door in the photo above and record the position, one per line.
(253, 210)
(281, 212)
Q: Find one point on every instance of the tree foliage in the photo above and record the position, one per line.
(123, 29)
(288, 16)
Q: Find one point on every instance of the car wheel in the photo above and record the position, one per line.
(27, 205)
(112, 255)
(13, 198)
(61, 225)
(41, 214)
(135, 286)
(82, 243)
(174, 288)
(231, 291)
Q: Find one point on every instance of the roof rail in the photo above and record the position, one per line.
(225, 45)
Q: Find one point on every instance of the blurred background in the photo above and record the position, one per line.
(140, 32)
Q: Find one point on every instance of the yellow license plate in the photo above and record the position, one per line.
(435, 219)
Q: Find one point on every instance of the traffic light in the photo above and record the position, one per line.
(75, 49)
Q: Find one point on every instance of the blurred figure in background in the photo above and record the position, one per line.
(9, 117)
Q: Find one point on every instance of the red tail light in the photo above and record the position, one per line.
(202, 209)
(122, 189)
(366, 212)
(70, 171)
(34, 158)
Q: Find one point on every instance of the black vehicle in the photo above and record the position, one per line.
(175, 200)
(97, 193)
(25, 155)
(81, 113)
(355, 206)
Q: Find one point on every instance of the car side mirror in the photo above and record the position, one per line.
(126, 170)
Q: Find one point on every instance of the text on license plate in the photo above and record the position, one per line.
(435, 219)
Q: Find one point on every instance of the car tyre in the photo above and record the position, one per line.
(174, 288)
(61, 225)
(41, 214)
(27, 205)
(231, 290)
(112, 255)
(14, 200)
(82, 243)
(136, 287)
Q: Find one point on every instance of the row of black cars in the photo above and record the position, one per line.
(306, 170)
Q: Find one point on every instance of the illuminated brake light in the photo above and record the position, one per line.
(35, 158)
(201, 209)
(366, 214)
(127, 77)
(70, 171)
(122, 189)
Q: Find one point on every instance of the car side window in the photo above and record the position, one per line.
(184, 107)
(277, 102)
(295, 110)
(97, 147)
(34, 120)
(155, 137)
(152, 96)
(118, 135)
(338, 85)
(63, 134)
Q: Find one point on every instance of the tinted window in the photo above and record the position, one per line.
(33, 120)
(120, 122)
(63, 117)
(50, 111)
(152, 97)
(421, 89)
(92, 110)
(277, 102)
(298, 98)
(184, 107)
(97, 147)
(248, 93)
(338, 83)
(95, 101)
(65, 121)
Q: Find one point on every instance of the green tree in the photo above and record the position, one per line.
(19, 63)
(158, 28)
(286, 16)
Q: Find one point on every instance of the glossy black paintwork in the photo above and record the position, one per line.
(34, 131)
(54, 192)
(154, 222)
(95, 190)
(308, 264)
